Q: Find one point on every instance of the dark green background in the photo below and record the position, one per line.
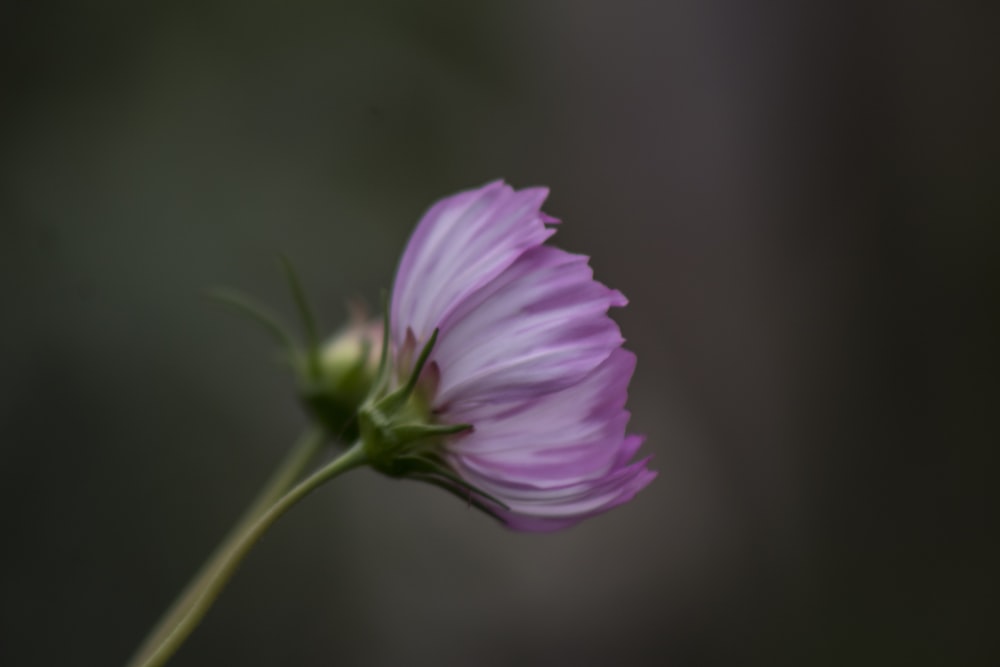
(799, 198)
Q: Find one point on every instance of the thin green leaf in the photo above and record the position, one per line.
(258, 313)
(305, 313)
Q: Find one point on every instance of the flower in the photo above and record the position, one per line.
(525, 354)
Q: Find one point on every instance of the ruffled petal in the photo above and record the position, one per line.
(461, 244)
(561, 438)
(559, 459)
(543, 510)
(539, 327)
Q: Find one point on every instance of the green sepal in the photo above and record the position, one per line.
(382, 374)
(330, 393)
(260, 314)
(306, 314)
(388, 431)
(394, 402)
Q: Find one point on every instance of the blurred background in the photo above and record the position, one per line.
(800, 200)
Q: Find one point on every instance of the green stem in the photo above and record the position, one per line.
(232, 557)
(301, 455)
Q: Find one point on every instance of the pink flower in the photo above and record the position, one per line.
(526, 354)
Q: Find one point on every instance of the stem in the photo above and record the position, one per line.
(231, 558)
(304, 451)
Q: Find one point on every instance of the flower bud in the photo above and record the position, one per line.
(346, 372)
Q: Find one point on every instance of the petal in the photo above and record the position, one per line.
(461, 244)
(554, 509)
(561, 438)
(539, 327)
(559, 459)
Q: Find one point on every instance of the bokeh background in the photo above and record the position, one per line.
(800, 199)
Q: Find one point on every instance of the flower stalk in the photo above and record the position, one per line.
(195, 604)
(302, 454)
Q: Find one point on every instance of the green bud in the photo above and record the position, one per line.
(345, 375)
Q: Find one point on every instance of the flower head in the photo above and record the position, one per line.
(525, 355)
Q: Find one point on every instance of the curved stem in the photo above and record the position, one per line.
(301, 455)
(232, 557)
